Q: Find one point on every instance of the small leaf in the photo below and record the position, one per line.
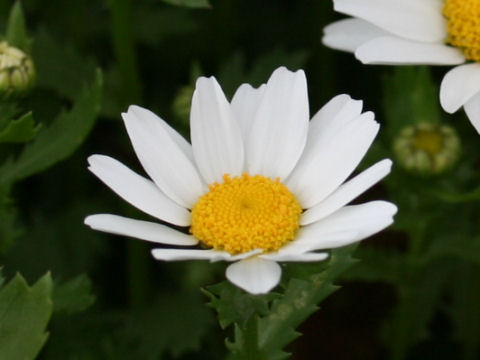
(16, 34)
(189, 3)
(24, 315)
(20, 130)
(74, 295)
(236, 306)
(59, 140)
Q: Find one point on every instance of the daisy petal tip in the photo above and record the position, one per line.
(254, 275)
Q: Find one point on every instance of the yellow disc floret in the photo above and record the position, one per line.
(246, 213)
(464, 26)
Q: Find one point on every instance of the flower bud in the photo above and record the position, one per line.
(427, 149)
(17, 72)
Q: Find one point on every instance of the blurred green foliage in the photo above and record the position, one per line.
(108, 299)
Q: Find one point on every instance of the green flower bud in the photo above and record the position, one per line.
(182, 103)
(17, 72)
(427, 149)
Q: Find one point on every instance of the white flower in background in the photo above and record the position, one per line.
(406, 32)
(259, 184)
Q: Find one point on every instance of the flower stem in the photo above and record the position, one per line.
(124, 49)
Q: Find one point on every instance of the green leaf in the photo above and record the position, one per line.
(16, 34)
(20, 130)
(74, 295)
(60, 139)
(189, 3)
(24, 315)
(262, 334)
(234, 305)
(60, 67)
(299, 301)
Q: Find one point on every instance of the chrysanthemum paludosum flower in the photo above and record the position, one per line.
(405, 32)
(259, 184)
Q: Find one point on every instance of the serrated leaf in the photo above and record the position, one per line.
(309, 284)
(301, 299)
(16, 34)
(73, 296)
(24, 315)
(189, 3)
(19, 130)
(60, 139)
(234, 305)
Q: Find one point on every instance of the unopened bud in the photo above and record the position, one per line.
(17, 72)
(427, 149)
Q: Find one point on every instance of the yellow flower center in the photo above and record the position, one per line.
(464, 26)
(246, 213)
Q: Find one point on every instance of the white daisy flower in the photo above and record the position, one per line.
(406, 32)
(260, 183)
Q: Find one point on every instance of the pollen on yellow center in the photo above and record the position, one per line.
(464, 26)
(246, 213)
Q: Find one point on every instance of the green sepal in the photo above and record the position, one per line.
(16, 33)
(24, 315)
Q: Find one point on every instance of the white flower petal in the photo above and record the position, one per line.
(139, 229)
(303, 245)
(348, 34)
(189, 254)
(183, 144)
(325, 166)
(332, 118)
(216, 137)
(279, 130)
(419, 20)
(162, 158)
(391, 50)
(459, 85)
(254, 275)
(245, 104)
(295, 257)
(361, 220)
(472, 108)
(138, 191)
(347, 192)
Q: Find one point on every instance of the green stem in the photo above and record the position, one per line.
(407, 298)
(124, 48)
